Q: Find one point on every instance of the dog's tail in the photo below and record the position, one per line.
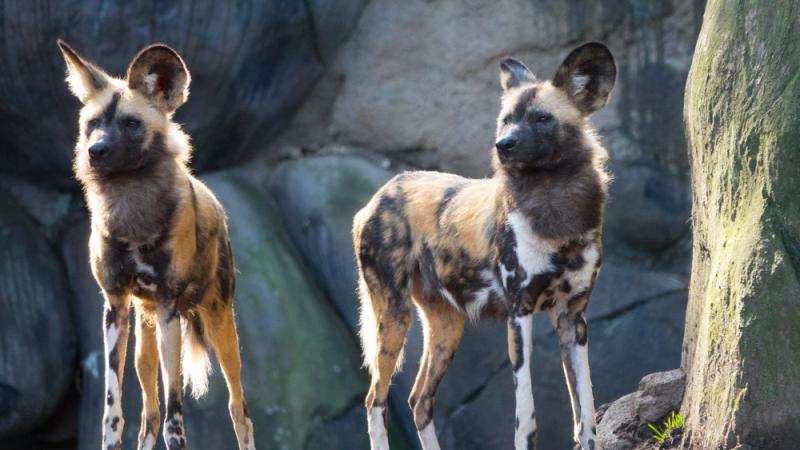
(368, 327)
(195, 362)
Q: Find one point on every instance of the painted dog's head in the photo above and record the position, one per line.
(125, 124)
(541, 123)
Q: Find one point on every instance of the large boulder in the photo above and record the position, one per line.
(251, 66)
(301, 365)
(36, 328)
(317, 198)
(300, 362)
(742, 342)
(625, 423)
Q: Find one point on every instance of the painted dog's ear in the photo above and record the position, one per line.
(84, 79)
(158, 73)
(587, 75)
(513, 74)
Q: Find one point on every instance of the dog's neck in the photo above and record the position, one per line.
(560, 203)
(135, 206)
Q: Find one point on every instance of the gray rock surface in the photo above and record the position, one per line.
(660, 394)
(624, 422)
(317, 198)
(617, 417)
(37, 340)
(252, 64)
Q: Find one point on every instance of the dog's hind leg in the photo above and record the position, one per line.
(168, 334)
(147, 370)
(225, 341)
(116, 343)
(442, 327)
(389, 316)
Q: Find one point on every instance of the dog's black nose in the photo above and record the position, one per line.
(504, 145)
(98, 150)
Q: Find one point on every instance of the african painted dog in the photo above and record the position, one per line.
(159, 242)
(523, 241)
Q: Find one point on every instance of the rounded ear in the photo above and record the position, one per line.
(513, 73)
(83, 78)
(587, 75)
(158, 72)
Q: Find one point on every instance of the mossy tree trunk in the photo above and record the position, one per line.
(742, 344)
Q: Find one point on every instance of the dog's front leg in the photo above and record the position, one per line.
(115, 325)
(573, 341)
(168, 334)
(520, 346)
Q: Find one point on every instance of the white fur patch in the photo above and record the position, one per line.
(579, 82)
(579, 357)
(141, 266)
(175, 420)
(427, 437)
(582, 278)
(504, 274)
(449, 297)
(533, 252)
(113, 411)
(149, 286)
(250, 443)
(149, 442)
(150, 81)
(378, 440)
(167, 334)
(112, 335)
(481, 297)
(195, 362)
(368, 328)
(524, 391)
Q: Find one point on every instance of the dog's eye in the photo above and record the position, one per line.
(132, 123)
(507, 120)
(543, 118)
(93, 123)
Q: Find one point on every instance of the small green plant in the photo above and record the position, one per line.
(669, 428)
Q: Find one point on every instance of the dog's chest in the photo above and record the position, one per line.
(140, 269)
(148, 269)
(536, 273)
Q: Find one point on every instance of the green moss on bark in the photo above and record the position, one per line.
(743, 125)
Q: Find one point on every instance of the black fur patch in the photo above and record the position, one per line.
(581, 330)
(376, 251)
(533, 291)
(517, 355)
(107, 116)
(199, 239)
(507, 257)
(447, 197)
(532, 440)
(115, 267)
(431, 284)
(225, 270)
